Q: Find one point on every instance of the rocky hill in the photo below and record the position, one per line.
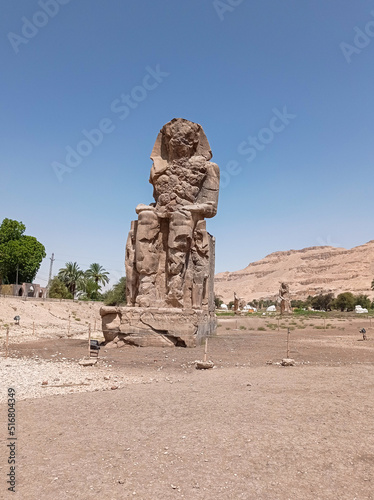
(308, 272)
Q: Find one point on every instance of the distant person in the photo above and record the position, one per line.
(363, 331)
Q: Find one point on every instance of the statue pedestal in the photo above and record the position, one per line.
(156, 327)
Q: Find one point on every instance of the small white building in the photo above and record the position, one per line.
(361, 310)
(249, 308)
(271, 309)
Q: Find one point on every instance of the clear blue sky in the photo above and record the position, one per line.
(228, 68)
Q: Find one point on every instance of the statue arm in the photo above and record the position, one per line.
(207, 200)
(141, 207)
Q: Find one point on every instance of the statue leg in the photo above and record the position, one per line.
(147, 256)
(179, 244)
(130, 265)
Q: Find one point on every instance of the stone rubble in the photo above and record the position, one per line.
(35, 378)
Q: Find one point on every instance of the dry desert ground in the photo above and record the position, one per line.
(145, 424)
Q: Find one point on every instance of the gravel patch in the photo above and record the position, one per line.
(38, 378)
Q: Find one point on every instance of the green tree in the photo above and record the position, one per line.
(322, 301)
(72, 276)
(218, 302)
(18, 252)
(345, 301)
(58, 289)
(98, 274)
(11, 230)
(363, 301)
(89, 289)
(267, 303)
(298, 304)
(308, 301)
(117, 295)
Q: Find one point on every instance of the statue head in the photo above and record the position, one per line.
(284, 287)
(181, 138)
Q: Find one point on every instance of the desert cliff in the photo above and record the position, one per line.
(308, 271)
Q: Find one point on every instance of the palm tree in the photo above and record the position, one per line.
(88, 288)
(71, 275)
(98, 274)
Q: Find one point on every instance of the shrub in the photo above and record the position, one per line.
(116, 295)
(218, 302)
(345, 301)
(58, 289)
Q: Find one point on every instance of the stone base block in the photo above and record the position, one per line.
(288, 362)
(163, 327)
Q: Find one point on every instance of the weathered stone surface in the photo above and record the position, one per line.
(284, 299)
(169, 253)
(239, 303)
(236, 302)
(204, 365)
(88, 362)
(288, 362)
(163, 327)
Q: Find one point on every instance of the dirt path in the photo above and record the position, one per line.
(245, 430)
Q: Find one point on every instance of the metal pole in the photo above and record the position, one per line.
(288, 343)
(7, 342)
(206, 349)
(89, 340)
(50, 274)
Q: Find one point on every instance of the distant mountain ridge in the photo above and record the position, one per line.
(308, 271)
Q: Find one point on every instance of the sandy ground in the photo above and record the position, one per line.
(144, 423)
(48, 319)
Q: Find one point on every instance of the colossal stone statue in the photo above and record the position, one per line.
(169, 253)
(284, 299)
(236, 302)
(239, 303)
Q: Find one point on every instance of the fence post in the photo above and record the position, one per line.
(89, 340)
(7, 342)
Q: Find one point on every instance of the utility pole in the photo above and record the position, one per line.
(17, 280)
(50, 273)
